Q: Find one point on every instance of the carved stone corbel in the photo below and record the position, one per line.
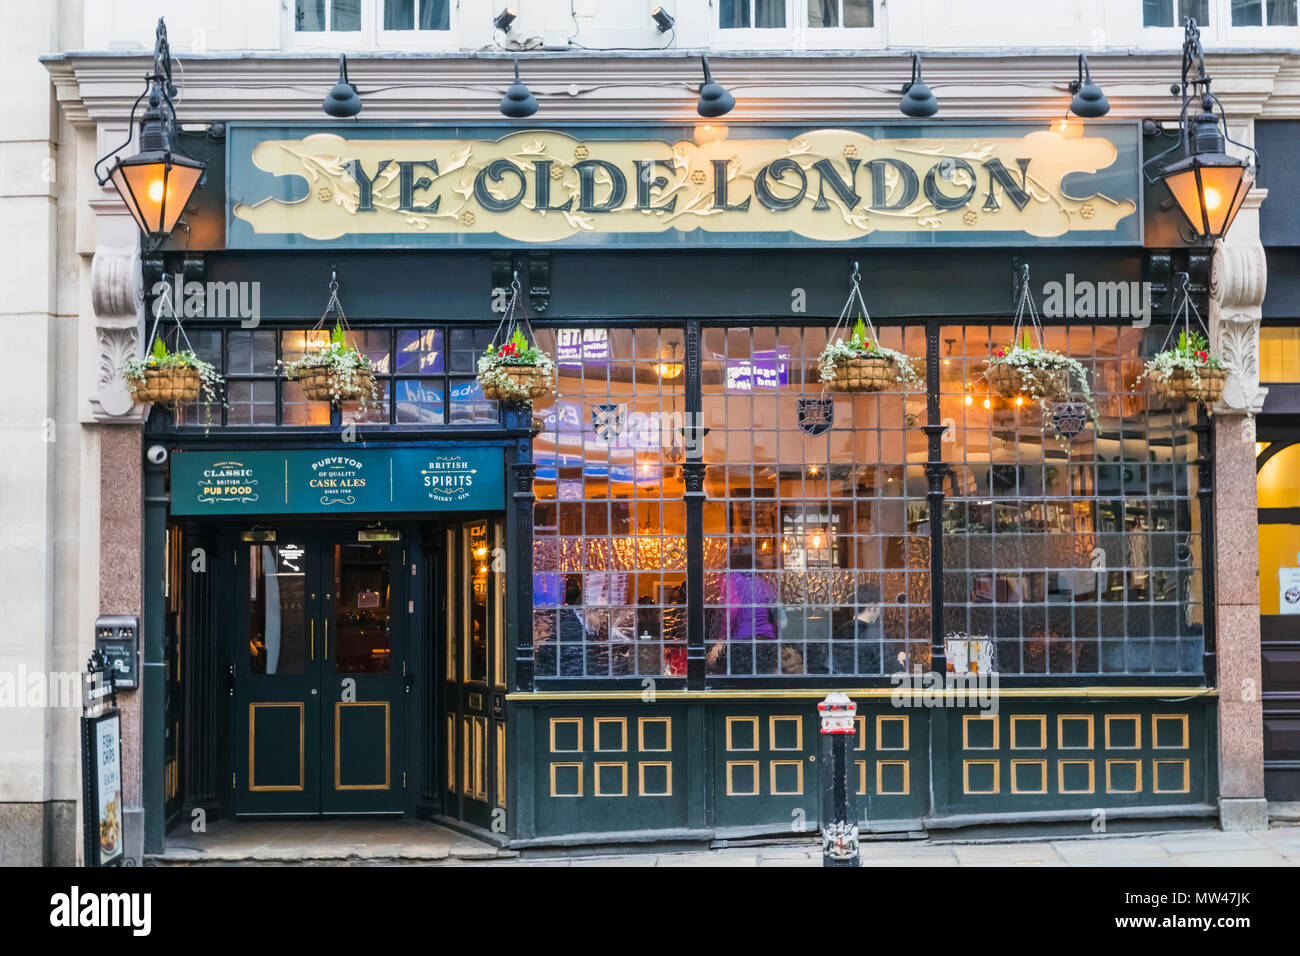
(1238, 279)
(117, 296)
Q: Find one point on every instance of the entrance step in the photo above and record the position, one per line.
(322, 842)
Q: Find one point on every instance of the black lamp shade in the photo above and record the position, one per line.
(918, 101)
(342, 99)
(155, 186)
(519, 102)
(715, 101)
(1090, 102)
(1209, 189)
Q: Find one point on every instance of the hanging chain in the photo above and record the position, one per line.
(1184, 312)
(158, 310)
(515, 316)
(335, 305)
(1026, 301)
(855, 293)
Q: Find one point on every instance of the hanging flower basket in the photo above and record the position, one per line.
(170, 378)
(1187, 372)
(338, 372)
(517, 373)
(1010, 381)
(1038, 373)
(863, 365)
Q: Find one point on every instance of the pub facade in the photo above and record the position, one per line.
(607, 616)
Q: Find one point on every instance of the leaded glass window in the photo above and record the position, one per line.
(609, 525)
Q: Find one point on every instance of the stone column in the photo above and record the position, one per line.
(1237, 282)
(116, 295)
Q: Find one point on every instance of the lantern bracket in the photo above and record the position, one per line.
(1195, 86)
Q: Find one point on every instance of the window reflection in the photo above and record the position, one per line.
(277, 618)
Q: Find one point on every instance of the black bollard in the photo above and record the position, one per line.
(839, 819)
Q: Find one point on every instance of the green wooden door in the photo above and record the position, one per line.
(363, 679)
(275, 666)
(318, 665)
(474, 734)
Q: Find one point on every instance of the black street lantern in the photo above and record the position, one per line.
(156, 182)
(1207, 184)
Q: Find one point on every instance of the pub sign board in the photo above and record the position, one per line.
(666, 186)
(332, 481)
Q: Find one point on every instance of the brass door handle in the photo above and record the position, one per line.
(313, 639)
(327, 639)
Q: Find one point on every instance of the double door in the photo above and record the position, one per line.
(319, 672)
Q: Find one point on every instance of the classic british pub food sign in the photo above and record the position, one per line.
(668, 186)
(319, 482)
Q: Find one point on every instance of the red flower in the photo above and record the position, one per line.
(508, 349)
(1002, 353)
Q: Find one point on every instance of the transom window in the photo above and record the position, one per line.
(751, 14)
(1264, 13)
(424, 377)
(851, 14)
(1173, 13)
(356, 16)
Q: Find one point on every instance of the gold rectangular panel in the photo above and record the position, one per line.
(731, 788)
(733, 722)
(338, 746)
(561, 721)
(1060, 775)
(772, 723)
(1137, 775)
(881, 720)
(1060, 731)
(1018, 739)
(1184, 765)
(643, 722)
(577, 765)
(880, 778)
(771, 778)
(1137, 731)
(607, 724)
(968, 720)
(668, 778)
(965, 775)
(302, 745)
(1180, 721)
(621, 767)
(1017, 765)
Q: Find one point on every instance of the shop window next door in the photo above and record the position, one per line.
(319, 675)
(475, 735)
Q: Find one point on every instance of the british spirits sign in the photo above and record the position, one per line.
(293, 186)
(366, 480)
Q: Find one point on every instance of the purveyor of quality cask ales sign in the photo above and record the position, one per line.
(359, 481)
(746, 185)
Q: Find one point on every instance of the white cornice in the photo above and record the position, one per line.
(417, 88)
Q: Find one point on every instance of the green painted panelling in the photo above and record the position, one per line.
(623, 766)
(1076, 756)
(608, 768)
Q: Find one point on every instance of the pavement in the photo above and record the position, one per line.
(405, 842)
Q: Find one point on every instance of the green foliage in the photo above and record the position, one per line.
(859, 336)
(337, 336)
(159, 349)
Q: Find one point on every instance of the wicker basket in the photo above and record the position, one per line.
(873, 373)
(172, 385)
(527, 383)
(324, 383)
(1009, 381)
(1182, 385)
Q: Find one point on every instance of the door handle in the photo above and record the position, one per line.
(327, 639)
(313, 639)
(230, 679)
